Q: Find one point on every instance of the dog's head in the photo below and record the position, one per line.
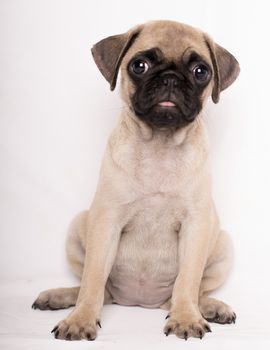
(168, 70)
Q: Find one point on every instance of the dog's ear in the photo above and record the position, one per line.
(226, 68)
(108, 53)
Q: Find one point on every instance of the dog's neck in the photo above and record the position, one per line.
(148, 134)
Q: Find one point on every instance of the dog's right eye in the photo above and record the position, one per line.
(140, 66)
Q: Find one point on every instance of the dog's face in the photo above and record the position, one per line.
(168, 92)
(168, 70)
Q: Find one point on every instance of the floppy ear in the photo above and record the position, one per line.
(226, 68)
(108, 53)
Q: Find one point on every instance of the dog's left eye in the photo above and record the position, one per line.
(140, 66)
(201, 72)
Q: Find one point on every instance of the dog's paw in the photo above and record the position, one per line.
(55, 299)
(214, 310)
(185, 329)
(76, 327)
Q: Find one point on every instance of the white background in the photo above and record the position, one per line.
(56, 113)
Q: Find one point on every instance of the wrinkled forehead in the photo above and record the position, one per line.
(173, 39)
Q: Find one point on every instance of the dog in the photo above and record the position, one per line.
(151, 236)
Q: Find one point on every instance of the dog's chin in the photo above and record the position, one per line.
(165, 117)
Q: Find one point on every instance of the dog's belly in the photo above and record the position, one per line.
(146, 264)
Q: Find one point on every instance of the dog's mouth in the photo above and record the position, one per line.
(165, 112)
(166, 104)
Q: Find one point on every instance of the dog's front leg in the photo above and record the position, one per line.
(103, 233)
(185, 319)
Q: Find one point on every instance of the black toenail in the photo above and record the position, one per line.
(55, 328)
(168, 332)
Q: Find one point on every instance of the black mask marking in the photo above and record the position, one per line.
(168, 94)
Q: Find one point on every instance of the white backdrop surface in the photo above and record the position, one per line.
(56, 113)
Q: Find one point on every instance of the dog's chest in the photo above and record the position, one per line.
(158, 170)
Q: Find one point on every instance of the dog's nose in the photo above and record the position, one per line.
(170, 80)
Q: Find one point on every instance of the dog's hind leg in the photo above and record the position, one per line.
(55, 299)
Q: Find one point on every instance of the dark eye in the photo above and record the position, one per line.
(140, 66)
(201, 72)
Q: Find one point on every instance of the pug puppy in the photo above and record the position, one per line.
(151, 236)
